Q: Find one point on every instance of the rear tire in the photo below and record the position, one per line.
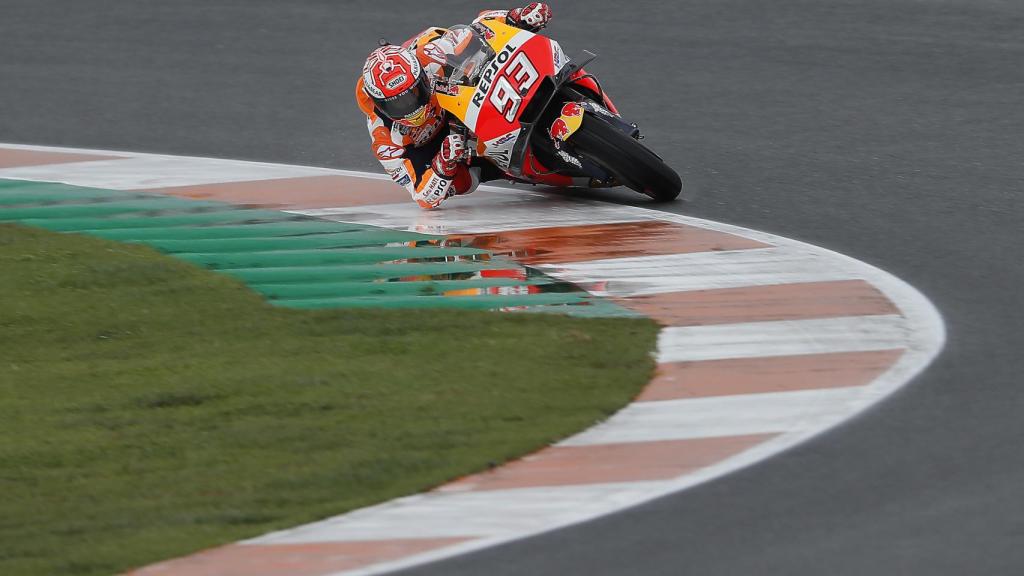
(628, 160)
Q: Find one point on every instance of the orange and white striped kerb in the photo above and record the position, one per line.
(767, 341)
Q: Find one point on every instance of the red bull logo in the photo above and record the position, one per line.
(572, 109)
(559, 130)
(568, 123)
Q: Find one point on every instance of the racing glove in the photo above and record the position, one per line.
(453, 150)
(532, 17)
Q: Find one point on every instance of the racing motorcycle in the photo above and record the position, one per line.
(540, 117)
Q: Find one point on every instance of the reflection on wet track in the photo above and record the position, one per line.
(306, 262)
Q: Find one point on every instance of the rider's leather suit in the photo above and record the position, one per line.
(408, 152)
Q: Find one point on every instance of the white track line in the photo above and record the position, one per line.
(486, 513)
(782, 338)
(716, 416)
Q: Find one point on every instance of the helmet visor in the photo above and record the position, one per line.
(407, 103)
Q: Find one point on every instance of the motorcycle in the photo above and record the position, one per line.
(540, 117)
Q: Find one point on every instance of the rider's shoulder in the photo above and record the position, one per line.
(491, 15)
(425, 49)
(363, 99)
(420, 40)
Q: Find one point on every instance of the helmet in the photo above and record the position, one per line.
(398, 85)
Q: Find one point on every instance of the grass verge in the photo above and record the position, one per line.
(149, 408)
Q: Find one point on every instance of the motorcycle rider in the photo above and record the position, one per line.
(409, 131)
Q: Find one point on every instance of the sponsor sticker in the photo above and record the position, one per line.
(420, 134)
(490, 74)
(435, 189)
(506, 138)
(397, 81)
(500, 149)
(595, 107)
(568, 123)
(373, 90)
(389, 152)
(484, 31)
(572, 109)
(559, 130)
(569, 158)
(446, 88)
(557, 56)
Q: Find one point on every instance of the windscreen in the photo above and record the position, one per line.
(466, 55)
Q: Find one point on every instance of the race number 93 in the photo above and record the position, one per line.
(516, 79)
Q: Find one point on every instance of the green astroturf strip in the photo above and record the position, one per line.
(44, 192)
(295, 261)
(228, 216)
(151, 409)
(106, 207)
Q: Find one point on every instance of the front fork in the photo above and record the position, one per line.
(570, 120)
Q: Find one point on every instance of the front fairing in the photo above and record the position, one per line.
(489, 97)
(501, 83)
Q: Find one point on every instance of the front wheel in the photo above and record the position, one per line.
(628, 160)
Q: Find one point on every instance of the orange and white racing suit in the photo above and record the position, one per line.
(407, 152)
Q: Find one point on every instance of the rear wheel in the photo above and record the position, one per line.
(628, 160)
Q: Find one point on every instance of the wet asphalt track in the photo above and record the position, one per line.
(890, 130)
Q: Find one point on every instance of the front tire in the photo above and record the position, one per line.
(628, 160)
